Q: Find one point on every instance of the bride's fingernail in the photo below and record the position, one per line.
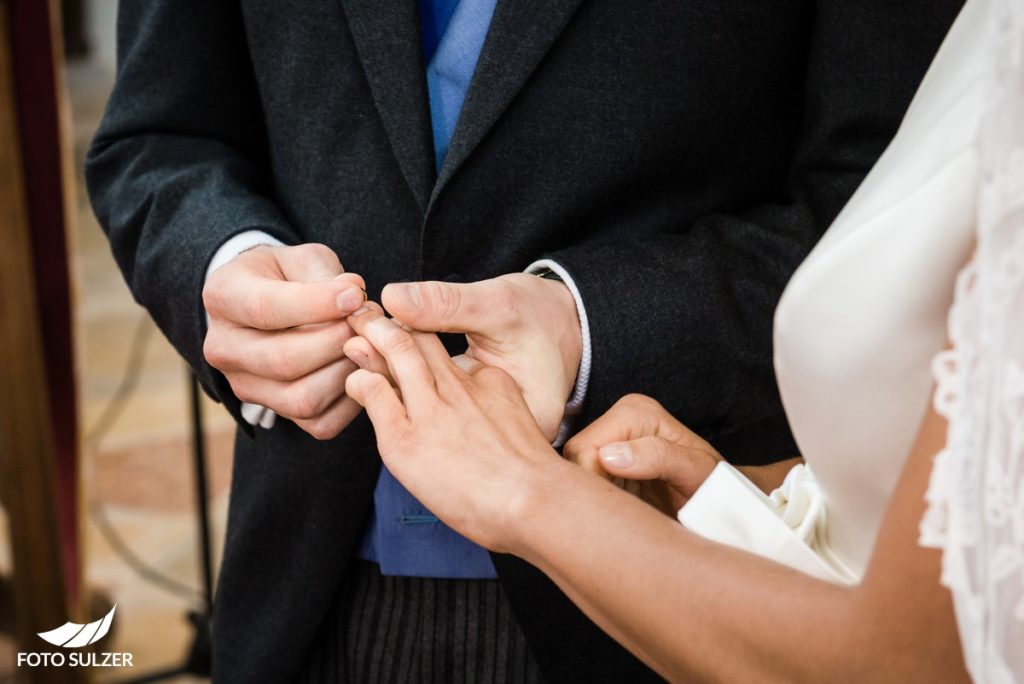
(359, 358)
(617, 455)
(360, 311)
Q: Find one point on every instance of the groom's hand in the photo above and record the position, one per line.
(277, 326)
(525, 325)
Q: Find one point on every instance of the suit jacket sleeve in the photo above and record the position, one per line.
(687, 317)
(178, 164)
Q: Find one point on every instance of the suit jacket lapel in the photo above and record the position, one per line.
(387, 38)
(520, 34)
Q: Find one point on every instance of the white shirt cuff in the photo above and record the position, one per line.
(242, 242)
(254, 414)
(787, 527)
(579, 393)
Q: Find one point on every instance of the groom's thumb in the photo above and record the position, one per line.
(435, 306)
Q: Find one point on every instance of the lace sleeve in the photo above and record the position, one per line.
(975, 510)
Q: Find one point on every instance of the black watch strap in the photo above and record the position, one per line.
(548, 274)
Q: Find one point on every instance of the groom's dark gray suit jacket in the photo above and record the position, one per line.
(678, 158)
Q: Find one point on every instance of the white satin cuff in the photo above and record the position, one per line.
(789, 526)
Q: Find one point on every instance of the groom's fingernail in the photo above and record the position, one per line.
(359, 358)
(350, 299)
(360, 311)
(617, 455)
(409, 296)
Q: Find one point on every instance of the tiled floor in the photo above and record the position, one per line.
(140, 472)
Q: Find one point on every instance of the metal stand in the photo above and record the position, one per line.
(202, 491)
(199, 658)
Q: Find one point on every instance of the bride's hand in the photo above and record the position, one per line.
(456, 433)
(637, 440)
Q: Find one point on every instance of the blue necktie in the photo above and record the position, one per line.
(434, 18)
(450, 68)
(403, 536)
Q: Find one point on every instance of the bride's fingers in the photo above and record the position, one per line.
(435, 354)
(467, 363)
(655, 458)
(409, 369)
(373, 392)
(362, 353)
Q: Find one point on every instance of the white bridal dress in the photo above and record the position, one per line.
(929, 250)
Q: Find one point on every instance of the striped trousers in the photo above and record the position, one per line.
(398, 630)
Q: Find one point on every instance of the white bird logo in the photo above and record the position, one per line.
(74, 635)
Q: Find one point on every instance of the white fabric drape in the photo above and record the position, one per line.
(976, 495)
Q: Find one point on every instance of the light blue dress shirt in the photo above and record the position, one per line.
(403, 537)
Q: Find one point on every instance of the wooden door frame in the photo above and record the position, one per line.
(28, 485)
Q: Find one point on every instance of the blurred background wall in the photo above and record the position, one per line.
(136, 507)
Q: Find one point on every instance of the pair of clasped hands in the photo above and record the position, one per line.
(292, 331)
